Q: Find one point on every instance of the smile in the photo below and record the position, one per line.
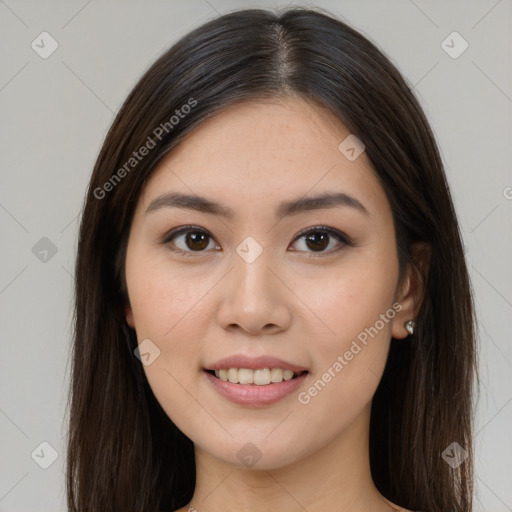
(258, 377)
(254, 390)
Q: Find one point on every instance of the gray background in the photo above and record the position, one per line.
(55, 113)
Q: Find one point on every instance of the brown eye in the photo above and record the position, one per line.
(196, 241)
(189, 239)
(317, 241)
(319, 238)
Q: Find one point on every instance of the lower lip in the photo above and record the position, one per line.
(252, 394)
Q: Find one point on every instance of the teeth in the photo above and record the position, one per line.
(245, 376)
(276, 375)
(287, 374)
(259, 377)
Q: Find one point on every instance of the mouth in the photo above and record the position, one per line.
(254, 381)
(255, 377)
(258, 387)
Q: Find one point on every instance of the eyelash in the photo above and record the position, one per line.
(343, 239)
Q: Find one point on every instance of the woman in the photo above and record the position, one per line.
(273, 308)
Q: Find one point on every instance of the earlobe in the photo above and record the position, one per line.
(129, 316)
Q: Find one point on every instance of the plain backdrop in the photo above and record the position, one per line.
(55, 112)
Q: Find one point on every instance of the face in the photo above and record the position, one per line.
(252, 269)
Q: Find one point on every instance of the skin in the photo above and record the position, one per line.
(307, 310)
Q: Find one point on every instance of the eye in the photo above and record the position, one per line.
(317, 239)
(322, 239)
(190, 239)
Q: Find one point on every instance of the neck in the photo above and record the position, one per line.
(336, 477)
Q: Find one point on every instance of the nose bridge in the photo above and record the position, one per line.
(251, 273)
(253, 299)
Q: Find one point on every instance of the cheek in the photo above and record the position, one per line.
(169, 309)
(349, 362)
(357, 312)
(353, 298)
(164, 297)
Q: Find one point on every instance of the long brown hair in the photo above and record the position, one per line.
(124, 453)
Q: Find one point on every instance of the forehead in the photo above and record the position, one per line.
(263, 151)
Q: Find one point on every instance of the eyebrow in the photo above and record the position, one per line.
(302, 204)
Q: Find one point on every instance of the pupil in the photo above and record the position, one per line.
(197, 241)
(318, 240)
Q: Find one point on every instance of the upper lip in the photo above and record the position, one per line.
(254, 363)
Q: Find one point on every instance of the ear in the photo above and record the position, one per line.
(129, 316)
(412, 290)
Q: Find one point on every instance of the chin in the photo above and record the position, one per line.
(253, 453)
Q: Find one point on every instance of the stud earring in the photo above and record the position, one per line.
(410, 325)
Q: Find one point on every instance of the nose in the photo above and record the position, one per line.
(253, 299)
